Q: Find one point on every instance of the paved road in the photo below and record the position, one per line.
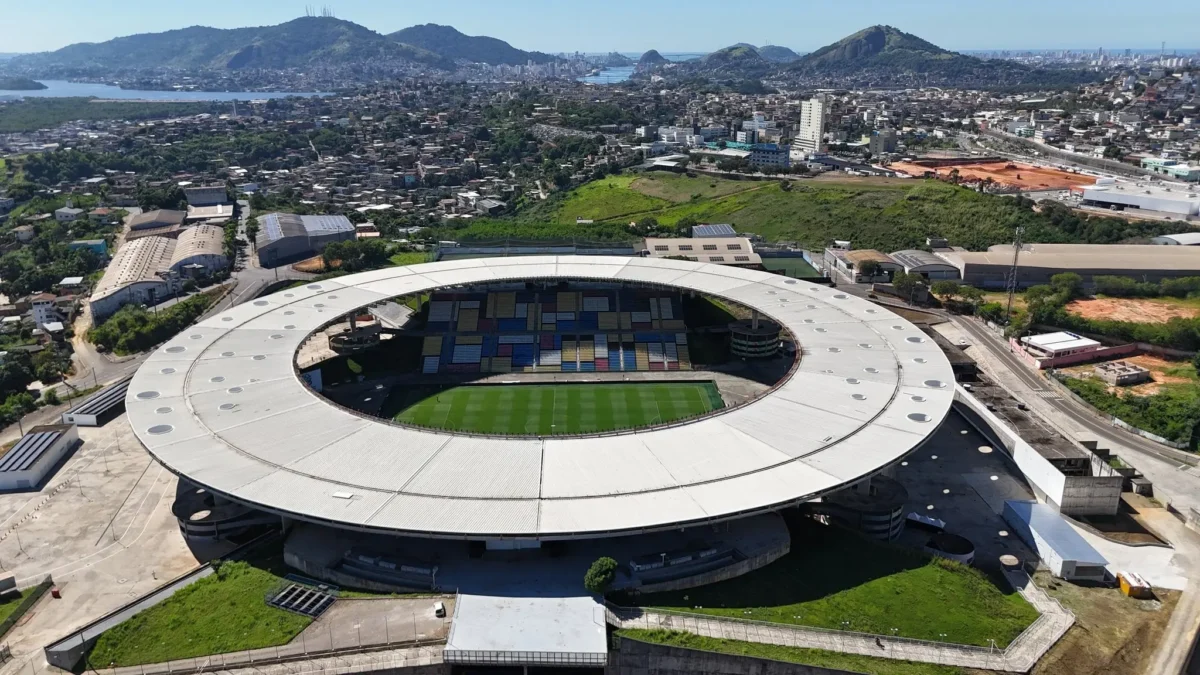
(985, 339)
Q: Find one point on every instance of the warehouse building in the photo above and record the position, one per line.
(25, 465)
(1108, 193)
(138, 274)
(200, 251)
(928, 265)
(1060, 547)
(849, 263)
(1039, 262)
(152, 220)
(206, 195)
(1181, 239)
(287, 237)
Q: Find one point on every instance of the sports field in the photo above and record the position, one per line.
(552, 409)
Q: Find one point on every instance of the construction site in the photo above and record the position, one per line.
(998, 174)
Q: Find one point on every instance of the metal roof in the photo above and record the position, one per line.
(138, 260)
(1068, 257)
(715, 230)
(28, 451)
(912, 259)
(103, 400)
(222, 404)
(1055, 531)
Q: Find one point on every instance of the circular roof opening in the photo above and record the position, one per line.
(288, 313)
(218, 378)
(915, 340)
(289, 295)
(859, 397)
(839, 296)
(935, 384)
(227, 318)
(176, 350)
(871, 370)
(313, 287)
(917, 399)
(160, 429)
(164, 410)
(234, 390)
(851, 380)
(227, 406)
(820, 330)
(261, 303)
(200, 515)
(276, 336)
(919, 360)
(835, 350)
(226, 354)
(290, 326)
(167, 371)
(147, 395)
(985, 449)
(259, 357)
(919, 417)
(790, 282)
(195, 336)
(809, 321)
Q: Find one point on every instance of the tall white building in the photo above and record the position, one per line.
(810, 135)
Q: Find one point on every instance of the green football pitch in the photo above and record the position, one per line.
(550, 409)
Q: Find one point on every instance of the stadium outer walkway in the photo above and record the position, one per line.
(1019, 657)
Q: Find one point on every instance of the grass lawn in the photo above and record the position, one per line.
(9, 603)
(222, 613)
(810, 657)
(678, 189)
(409, 258)
(607, 198)
(549, 409)
(792, 267)
(833, 575)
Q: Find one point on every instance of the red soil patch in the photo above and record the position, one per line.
(1135, 310)
(1021, 176)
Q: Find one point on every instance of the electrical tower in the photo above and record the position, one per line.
(1012, 273)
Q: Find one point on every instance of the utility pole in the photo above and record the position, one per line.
(1012, 274)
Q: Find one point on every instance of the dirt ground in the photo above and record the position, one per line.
(1137, 310)
(1112, 635)
(1157, 366)
(1021, 176)
(314, 265)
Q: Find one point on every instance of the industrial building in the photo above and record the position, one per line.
(1039, 262)
(206, 195)
(1060, 547)
(156, 220)
(1062, 343)
(1172, 169)
(200, 251)
(713, 230)
(849, 263)
(1112, 194)
(1180, 239)
(26, 464)
(287, 237)
(716, 250)
(138, 274)
(928, 265)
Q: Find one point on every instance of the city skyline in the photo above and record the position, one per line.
(551, 27)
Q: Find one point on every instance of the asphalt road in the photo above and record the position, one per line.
(986, 339)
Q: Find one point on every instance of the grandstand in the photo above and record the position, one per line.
(588, 329)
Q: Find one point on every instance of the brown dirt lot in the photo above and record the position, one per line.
(1020, 176)
(1136, 310)
(314, 265)
(1113, 634)
(1156, 365)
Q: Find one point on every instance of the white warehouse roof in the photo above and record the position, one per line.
(222, 404)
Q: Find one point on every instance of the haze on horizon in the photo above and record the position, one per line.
(631, 26)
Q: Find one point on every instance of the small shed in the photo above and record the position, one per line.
(1061, 548)
(25, 465)
(100, 407)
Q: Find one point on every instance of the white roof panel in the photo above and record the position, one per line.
(222, 405)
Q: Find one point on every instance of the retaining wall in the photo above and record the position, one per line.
(721, 573)
(634, 657)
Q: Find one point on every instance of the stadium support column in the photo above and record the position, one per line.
(754, 320)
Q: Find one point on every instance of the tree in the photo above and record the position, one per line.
(600, 575)
(970, 295)
(946, 288)
(1067, 284)
(870, 269)
(252, 232)
(907, 284)
(684, 225)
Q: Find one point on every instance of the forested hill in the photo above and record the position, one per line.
(448, 42)
(300, 43)
(886, 56)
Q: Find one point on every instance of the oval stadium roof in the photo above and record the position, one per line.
(223, 405)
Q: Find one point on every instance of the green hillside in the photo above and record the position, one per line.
(448, 42)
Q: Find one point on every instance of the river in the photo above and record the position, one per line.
(618, 75)
(60, 89)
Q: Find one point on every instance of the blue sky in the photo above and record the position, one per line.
(638, 25)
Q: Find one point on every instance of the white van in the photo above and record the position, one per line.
(439, 609)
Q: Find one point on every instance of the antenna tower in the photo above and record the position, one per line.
(1012, 273)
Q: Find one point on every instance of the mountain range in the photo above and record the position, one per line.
(301, 43)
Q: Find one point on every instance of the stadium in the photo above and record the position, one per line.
(556, 402)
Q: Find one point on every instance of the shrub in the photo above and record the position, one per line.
(600, 575)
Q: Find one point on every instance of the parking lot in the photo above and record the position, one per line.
(101, 526)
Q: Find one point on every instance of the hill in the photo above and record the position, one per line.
(300, 43)
(617, 60)
(448, 42)
(20, 84)
(651, 60)
(777, 54)
(887, 56)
